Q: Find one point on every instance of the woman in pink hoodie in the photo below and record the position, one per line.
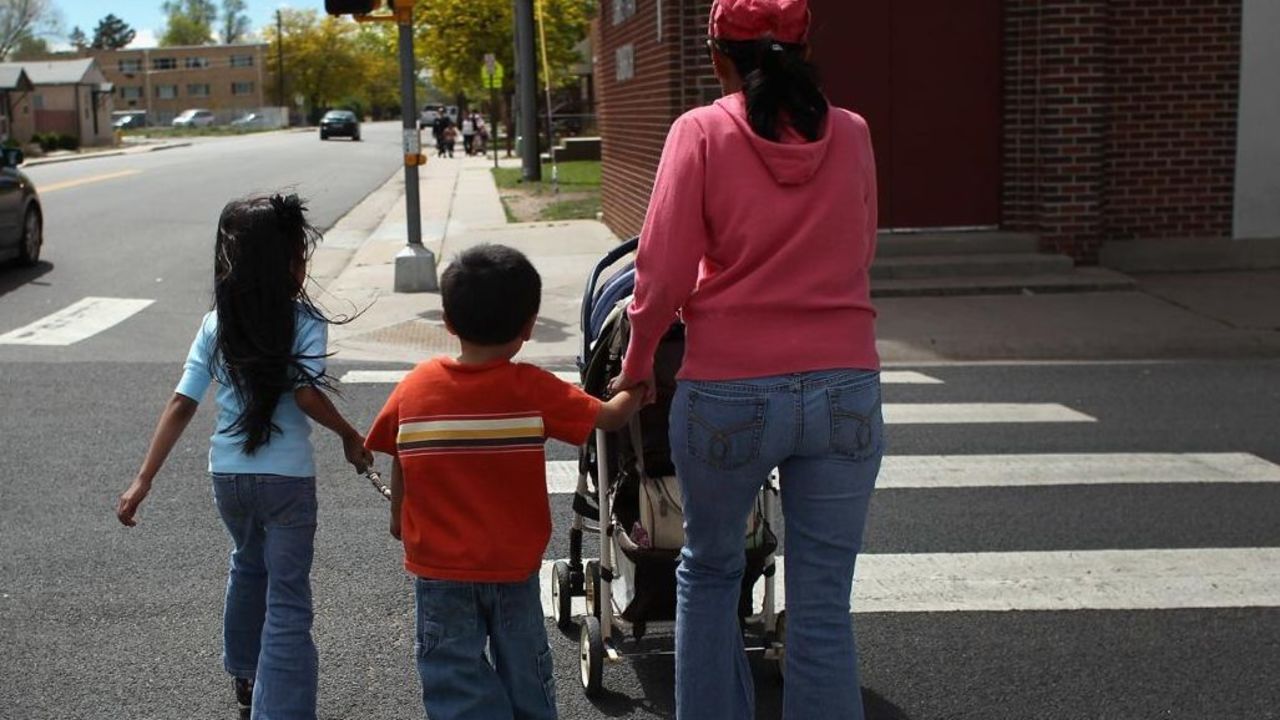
(760, 234)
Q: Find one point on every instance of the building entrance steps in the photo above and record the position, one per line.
(979, 263)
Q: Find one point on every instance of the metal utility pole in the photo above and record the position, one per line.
(527, 76)
(280, 63)
(415, 264)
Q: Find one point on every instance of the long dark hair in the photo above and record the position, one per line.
(781, 86)
(259, 268)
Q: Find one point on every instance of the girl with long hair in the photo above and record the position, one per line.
(760, 234)
(264, 345)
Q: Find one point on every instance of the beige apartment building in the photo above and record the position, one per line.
(230, 80)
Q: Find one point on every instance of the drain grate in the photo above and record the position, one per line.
(420, 335)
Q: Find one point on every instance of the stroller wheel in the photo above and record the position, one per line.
(593, 588)
(591, 657)
(562, 593)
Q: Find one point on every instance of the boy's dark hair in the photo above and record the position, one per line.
(490, 292)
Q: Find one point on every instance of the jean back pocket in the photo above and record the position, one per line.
(857, 420)
(725, 432)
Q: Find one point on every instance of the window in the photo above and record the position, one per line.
(131, 66)
(626, 57)
(198, 90)
(623, 9)
(166, 92)
(164, 64)
(241, 61)
(130, 92)
(241, 88)
(38, 101)
(197, 62)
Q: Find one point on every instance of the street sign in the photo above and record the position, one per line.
(491, 74)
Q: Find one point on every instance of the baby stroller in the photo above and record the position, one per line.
(629, 496)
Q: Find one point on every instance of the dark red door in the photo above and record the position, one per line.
(926, 75)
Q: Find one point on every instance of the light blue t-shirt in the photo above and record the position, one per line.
(289, 452)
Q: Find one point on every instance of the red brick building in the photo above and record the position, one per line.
(1083, 121)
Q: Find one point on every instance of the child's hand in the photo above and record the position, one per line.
(645, 387)
(357, 455)
(130, 500)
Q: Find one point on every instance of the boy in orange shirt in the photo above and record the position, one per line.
(469, 492)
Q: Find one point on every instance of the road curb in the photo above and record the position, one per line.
(37, 162)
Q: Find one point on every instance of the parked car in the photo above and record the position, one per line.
(250, 120)
(430, 112)
(21, 218)
(194, 118)
(342, 123)
(128, 120)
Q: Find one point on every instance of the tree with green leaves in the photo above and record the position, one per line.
(189, 22)
(112, 33)
(31, 47)
(322, 60)
(455, 35)
(235, 23)
(25, 18)
(77, 38)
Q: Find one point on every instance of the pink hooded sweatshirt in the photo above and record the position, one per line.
(762, 247)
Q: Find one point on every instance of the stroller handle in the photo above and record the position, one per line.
(588, 298)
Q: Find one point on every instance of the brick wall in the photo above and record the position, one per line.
(1119, 119)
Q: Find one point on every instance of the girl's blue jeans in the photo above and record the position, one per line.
(267, 619)
(824, 432)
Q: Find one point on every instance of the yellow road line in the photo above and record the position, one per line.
(84, 181)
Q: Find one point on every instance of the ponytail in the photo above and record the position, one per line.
(780, 85)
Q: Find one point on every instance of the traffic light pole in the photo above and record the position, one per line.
(527, 76)
(415, 264)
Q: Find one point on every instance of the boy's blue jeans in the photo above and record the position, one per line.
(267, 620)
(456, 621)
(825, 433)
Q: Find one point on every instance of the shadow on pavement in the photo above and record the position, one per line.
(14, 276)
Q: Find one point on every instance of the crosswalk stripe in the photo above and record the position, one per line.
(1051, 581)
(955, 471)
(390, 377)
(82, 319)
(980, 413)
(900, 472)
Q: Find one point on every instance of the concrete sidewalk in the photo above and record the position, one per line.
(460, 208)
(1211, 315)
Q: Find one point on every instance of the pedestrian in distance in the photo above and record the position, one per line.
(469, 492)
(264, 345)
(450, 139)
(468, 133)
(437, 130)
(761, 232)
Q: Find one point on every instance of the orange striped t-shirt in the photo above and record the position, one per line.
(470, 442)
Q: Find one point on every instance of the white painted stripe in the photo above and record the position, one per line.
(373, 377)
(82, 319)
(391, 377)
(1050, 581)
(562, 476)
(979, 413)
(907, 377)
(957, 471)
(978, 471)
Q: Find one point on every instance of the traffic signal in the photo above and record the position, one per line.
(351, 7)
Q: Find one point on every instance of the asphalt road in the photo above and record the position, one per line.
(142, 226)
(99, 621)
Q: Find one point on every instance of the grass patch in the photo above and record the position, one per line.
(181, 132)
(576, 176)
(506, 208)
(578, 209)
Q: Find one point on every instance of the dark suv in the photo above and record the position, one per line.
(21, 221)
(342, 123)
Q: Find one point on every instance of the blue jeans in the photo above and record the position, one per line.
(825, 433)
(267, 619)
(456, 621)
